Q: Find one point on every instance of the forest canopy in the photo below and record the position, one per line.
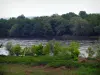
(70, 24)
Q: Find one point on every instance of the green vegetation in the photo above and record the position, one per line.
(52, 48)
(53, 61)
(55, 55)
(17, 69)
(69, 24)
(16, 50)
(90, 52)
(94, 51)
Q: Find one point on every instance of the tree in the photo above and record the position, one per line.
(94, 20)
(3, 28)
(97, 29)
(21, 17)
(59, 25)
(70, 23)
(41, 27)
(80, 27)
(69, 15)
(16, 30)
(27, 29)
(83, 14)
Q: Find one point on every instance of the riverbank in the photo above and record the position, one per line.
(17, 69)
(64, 37)
(64, 58)
(29, 65)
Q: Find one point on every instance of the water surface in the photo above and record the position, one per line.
(84, 44)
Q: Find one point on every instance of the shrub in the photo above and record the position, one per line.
(46, 49)
(53, 47)
(64, 53)
(98, 53)
(94, 50)
(9, 47)
(74, 50)
(97, 50)
(38, 50)
(16, 50)
(90, 52)
(27, 51)
(57, 48)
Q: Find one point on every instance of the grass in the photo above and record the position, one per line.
(46, 60)
(17, 69)
(46, 65)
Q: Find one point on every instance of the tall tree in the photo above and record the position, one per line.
(3, 28)
(83, 14)
(16, 30)
(69, 15)
(80, 26)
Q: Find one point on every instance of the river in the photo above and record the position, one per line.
(84, 44)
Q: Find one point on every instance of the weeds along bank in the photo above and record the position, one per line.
(52, 48)
(53, 54)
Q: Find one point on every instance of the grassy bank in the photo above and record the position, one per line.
(17, 69)
(53, 58)
(47, 65)
(54, 61)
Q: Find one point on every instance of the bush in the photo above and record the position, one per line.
(98, 53)
(64, 53)
(57, 48)
(74, 50)
(94, 50)
(62, 50)
(16, 50)
(9, 47)
(27, 51)
(38, 50)
(90, 52)
(46, 49)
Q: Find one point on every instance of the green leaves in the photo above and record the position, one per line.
(80, 27)
(90, 52)
(9, 47)
(70, 23)
(46, 49)
(38, 50)
(16, 50)
(52, 48)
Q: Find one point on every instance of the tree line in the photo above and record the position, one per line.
(70, 24)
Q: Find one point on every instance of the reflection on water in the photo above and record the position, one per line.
(84, 44)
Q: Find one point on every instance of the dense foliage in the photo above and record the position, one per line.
(52, 48)
(53, 54)
(50, 26)
(94, 51)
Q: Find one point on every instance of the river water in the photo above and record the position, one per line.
(84, 44)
